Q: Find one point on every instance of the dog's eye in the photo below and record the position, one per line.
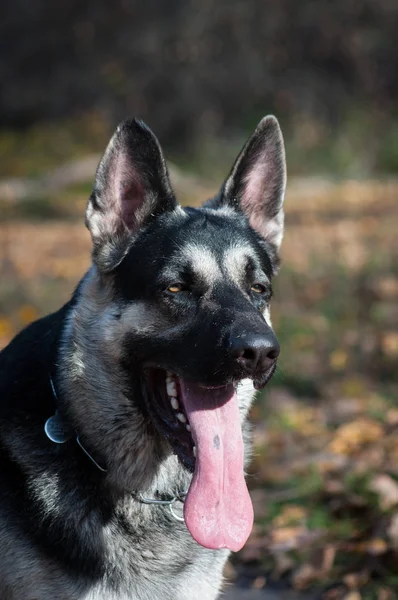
(174, 288)
(258, 288)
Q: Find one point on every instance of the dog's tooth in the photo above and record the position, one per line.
(181, 417)
(174, 403)
(194, 451)
(171, 388)
(188, 427)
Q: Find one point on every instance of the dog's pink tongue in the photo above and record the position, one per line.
(218, 510)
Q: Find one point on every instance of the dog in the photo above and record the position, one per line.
(123, 416)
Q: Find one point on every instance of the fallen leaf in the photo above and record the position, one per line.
(329, 555)
(286, 538)
(290, 538)
(392, 530)
(290, 514)
(387, 287)
(259, 582)
(387, 490)
(353, 596)
(338, 360)
(304, 576)
(375, 546)
(350, 437)
(392, 416)
(389, 343)
(356, 580)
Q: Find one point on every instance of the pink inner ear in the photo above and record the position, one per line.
(255, 181)
(256, 196)
(261, 199)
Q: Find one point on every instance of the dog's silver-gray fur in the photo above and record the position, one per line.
(146, 554)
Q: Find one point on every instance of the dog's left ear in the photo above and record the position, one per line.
(257, 182)
(131, 188)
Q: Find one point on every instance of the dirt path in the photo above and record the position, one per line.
(236, 593)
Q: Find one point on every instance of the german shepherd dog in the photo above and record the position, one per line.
(123, 416)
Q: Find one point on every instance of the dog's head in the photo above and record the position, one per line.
(192, 288)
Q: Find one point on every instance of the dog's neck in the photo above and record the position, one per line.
(102, 401)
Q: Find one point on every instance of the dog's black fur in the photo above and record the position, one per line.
(68, 529)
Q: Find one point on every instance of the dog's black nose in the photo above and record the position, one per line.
(255, 353)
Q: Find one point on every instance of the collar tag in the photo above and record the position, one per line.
(57, 430)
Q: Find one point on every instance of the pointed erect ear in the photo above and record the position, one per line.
(256, 184)
(131, 188)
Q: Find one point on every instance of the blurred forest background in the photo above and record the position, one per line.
(324, 479)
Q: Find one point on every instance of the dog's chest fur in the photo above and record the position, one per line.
(162, 563)
(156, 559)
(142, 564)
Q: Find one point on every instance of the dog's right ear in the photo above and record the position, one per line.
(131, 188)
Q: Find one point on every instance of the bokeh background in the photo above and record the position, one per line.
(325, 474)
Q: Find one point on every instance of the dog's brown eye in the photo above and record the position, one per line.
(174, 288)
(258, 288)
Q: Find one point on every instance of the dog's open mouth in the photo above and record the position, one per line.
(168, 414)
(204, 428)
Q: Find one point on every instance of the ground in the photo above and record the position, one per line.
(237, 593)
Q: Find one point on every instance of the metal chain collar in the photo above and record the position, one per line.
(59, 432)
(170, 503)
